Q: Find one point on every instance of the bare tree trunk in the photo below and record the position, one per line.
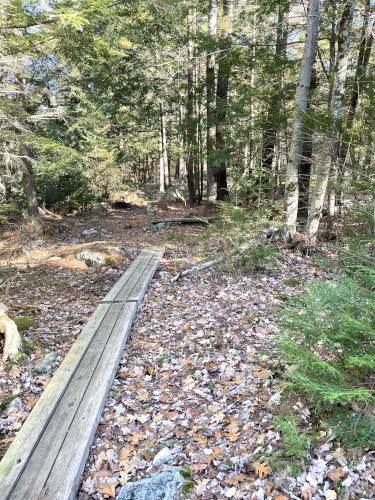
(302, 93)
(367, 38)
(28, 182)
(210, 103)
(270, 134)
(191, 136)
(337, 104)
(222, 101)
(162, 165)
(330, 148)
(304, 171)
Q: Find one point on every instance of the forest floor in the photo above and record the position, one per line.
(197, 376)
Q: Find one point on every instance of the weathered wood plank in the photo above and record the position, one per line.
(65, 476)
(42, 459)
(140, 287)
(19, 452)
(131, 275)
(48, 456)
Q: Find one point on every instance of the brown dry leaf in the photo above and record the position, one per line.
(261, 469)
(308, 493)
(143, 395)
(263, 374)
(281, 496)
(232, 432)
(135, 437)
(234, 480)
(336, 474)
(102, 457)
(185, 328)
(164, 398)
(125, 452)
(200, 438)
(108, 489)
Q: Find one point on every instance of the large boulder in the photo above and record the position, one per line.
(128, 197)
(162, 485)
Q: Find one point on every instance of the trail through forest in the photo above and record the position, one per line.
(198, 378)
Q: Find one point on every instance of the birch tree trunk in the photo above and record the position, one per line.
(296, 145)
(210, 102)
(337, 104)
(162, 164)
(329, 146)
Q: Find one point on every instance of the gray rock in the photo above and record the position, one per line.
(15, 406)
(33, 245)
(150, 209)
(90, 232)
(75, 241)
(165, 276)
(160, 486)
(163, 457)
(47, 364)
(90, 258)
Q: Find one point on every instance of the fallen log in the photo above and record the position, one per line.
(194, 269)
(182, 220)
(13, 341)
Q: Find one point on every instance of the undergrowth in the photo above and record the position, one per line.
(328, 340)
(240, 237)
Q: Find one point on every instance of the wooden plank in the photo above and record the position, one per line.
(65, 476)
(140, 288)
(131, 275)
(19, 452)
(41, 461)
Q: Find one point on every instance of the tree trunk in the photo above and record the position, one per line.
(302, 93)
(161, 155)
(304, 171)
(191, 136)
(364, 54)
(330, 148)
(222, 101)
(270, 134)
(210, 103)
(28, 182)
(337, 103)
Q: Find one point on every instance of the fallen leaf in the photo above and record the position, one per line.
(261, 469)
(336, 474)
(330, 495)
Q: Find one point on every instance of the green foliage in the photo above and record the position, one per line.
(328, 338)
(295, 444)
(23, 322)
(243, 246)
(9, 211)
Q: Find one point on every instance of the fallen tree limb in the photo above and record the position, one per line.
(13, 341)
(194, 269)
(182, 220)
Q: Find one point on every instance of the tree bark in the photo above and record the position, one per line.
(337, 103)
(270, 134)
(222, 88)
(191, 136)
(302, 93)
(28, 181)
(210, 102)
(329, 148)
(364, 54)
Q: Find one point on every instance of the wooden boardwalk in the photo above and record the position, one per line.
(47, 458)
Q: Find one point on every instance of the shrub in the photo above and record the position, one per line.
(295, 443)
(243, 244)
(328, 338)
